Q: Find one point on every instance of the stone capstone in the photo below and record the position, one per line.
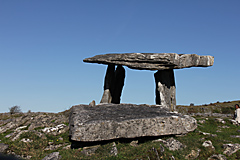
(153, 61)
(112, 121)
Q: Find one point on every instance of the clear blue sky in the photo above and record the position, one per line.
(43, 43)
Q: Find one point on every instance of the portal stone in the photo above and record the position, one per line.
(108, 84)
(118, 85)
(165, 88)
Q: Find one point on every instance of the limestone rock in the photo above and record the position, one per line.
(161, 148)
(88, 151)
(52, 156)
(230, 148)
(93, 103)
(114, 150)
(202, 121)
(67, 147)
(235, 136)
(173, 144)
(220, 120)
(208, 144)
(111, 121)
(134, 143)
(53, 147)
(55, 130)
(26, 140)
(217, 157)
(153, 61)
(193, 155)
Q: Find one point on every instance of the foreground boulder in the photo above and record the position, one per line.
(112, 121)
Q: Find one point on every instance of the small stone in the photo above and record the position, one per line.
(134, 143)
(25, 140)
(208, 144)
(235, 136)
(172, 158)
(20, 128)
(220, 120)
(67, 147)
(9, 135)
(193, 155)
(114, 150)
(52, 156)
(50, 143)
(202, 121)
(173, 144)
(92, 104)
(217, 157)
(161, 148)
(60, 138)
(53, 147)
(159, 140)
(90, 150)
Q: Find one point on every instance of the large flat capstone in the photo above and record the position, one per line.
(112, 121)
(153, 61)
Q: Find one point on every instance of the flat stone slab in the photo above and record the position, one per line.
(153, 61)
(112, 121)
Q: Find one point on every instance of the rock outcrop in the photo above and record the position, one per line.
(112, 121)
(230, 148)
(153, 61)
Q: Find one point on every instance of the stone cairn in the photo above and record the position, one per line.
(111, 119)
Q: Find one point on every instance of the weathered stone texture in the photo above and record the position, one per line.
(165, 88)
(113, 84)
(153, 61)
(111, 121)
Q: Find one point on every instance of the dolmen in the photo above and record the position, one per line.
(113, 120)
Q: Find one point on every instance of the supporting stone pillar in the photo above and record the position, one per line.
(108, 84)
(119, 83)
(165, 88)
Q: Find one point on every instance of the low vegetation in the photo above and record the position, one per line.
(219, 133)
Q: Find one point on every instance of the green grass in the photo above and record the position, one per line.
(144, 150)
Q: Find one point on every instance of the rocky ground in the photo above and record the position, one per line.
(45, 136)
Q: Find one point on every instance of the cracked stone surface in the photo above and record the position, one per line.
(112, 121)
(153, 61)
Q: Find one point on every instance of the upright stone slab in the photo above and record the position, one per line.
(108, 84)
(113, 84)
(165, 88)
(112, 121)
(118, 84)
